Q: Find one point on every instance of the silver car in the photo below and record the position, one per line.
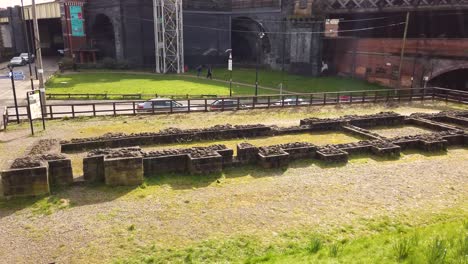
(17, 61)
(161, 105)
(291, 101)
(25, 56)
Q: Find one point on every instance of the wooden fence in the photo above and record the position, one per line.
(131, 107)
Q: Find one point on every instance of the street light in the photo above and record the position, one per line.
(10, 67)
(260, 37)
(230, 70)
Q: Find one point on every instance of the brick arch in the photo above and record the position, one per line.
(447, 69)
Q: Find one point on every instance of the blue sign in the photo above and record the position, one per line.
(17, 76)
(76, 21)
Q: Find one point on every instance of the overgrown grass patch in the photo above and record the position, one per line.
(439, 242)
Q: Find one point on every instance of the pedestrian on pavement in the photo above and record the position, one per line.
(199, 70)
(209, 75)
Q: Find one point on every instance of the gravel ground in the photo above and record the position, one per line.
(95, 228)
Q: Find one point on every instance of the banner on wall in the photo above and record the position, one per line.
(76, 20)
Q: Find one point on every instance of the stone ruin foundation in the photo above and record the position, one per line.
(33, 175)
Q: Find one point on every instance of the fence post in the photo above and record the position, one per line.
(113, 106)
(268, 100)
(238, 103)
(73, 111)
(188, 103)
(324, 98)
(222, 104)
(253, 102)
(297, 100)
(51, 113)
(134, 110)
(351, 98)
(311, 102)
(206, 105)
(282, 101)
(364, 97)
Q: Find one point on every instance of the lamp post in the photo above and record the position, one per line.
(230, 71)
(27, 45)
(260, 37)
(10, 67)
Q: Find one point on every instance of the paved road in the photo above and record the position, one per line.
(98, 108)
(6, 91)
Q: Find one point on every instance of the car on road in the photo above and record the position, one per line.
(17, 61)
(226, 104)
(160, 104)
(25, 56)
(290, 101)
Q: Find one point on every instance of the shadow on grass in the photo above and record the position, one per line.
(87, 194)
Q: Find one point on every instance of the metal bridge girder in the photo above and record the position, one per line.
(168, 32)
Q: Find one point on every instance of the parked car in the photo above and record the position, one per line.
(160, 104)
(291, 101)
(229, 104)
(25, 56)
(17, 61)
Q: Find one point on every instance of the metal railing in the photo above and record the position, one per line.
(108, 96)
(74, 110)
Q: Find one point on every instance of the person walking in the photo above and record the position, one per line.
(199, 70)
(209, 75)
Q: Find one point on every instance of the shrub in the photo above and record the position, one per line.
(315, 245)
(109, 63)
(122, 65)
(334, 250)
(436, 251)
(67, 63)
(402, 248)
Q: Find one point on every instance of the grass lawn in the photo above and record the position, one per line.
(133, 83)
(119, 83)
(294, 83)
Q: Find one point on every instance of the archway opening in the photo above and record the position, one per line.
(456, 80)
(102, 34)
(249, 40)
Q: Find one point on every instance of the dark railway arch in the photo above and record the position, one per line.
(245, 36)
(103, 36)
(456, 79)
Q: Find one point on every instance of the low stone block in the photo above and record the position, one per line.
(247, 154)
(433, 146)
(123, 171)
(93, 169)
(25, 182)
(205, 165)
(300, 152)
(60, 172)
(390, 151)
(273, 161)
(227, 155)
(164, 164)
(407, 144)
(333, 157)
